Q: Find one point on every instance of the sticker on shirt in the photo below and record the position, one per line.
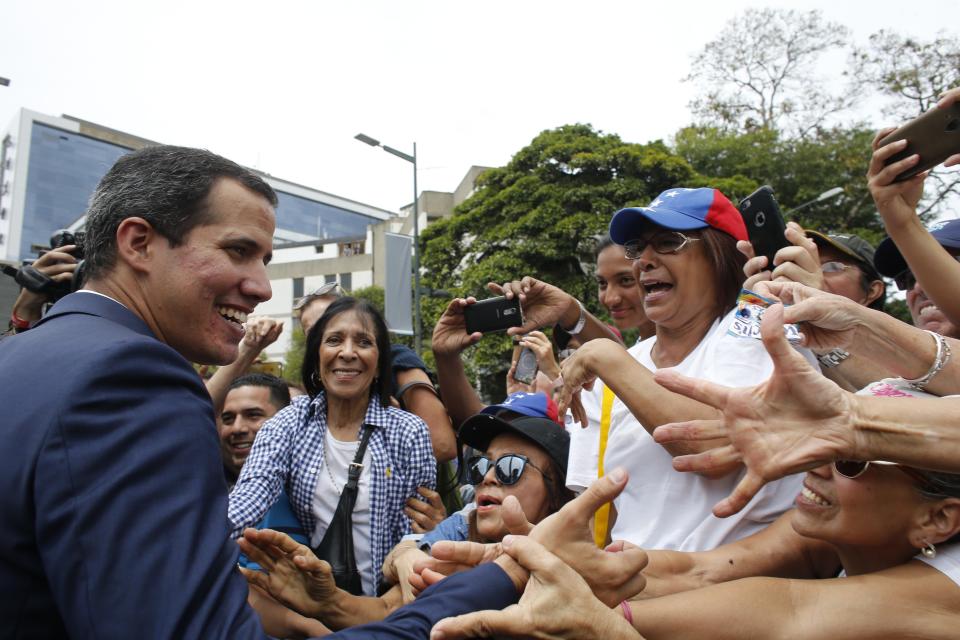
(750, 309)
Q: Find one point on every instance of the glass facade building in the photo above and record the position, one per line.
(64, 168)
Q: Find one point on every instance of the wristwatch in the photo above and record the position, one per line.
(831, 359)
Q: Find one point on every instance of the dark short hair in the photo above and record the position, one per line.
(279, 393)
(166, 186)
(311, 356)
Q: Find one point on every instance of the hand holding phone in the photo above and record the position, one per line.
(492, 315)
(527, 366)
(764, 222)
(934, 136)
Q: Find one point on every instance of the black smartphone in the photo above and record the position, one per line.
(493, 314)
(765, 225)
(935, 136)
(527, 366)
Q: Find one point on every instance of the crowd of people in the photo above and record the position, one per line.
(798, 481)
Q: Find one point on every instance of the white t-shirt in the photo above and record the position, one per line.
(665, 509)
(893, 388)
(947, 561)
(337, 456)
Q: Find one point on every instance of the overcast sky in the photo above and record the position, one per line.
(284, 86)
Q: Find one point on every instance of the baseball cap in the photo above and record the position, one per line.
(530, 415)
(889, 261)
(680, 210)
(849, 245)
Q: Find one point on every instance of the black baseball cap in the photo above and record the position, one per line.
(890, 262)
(529, 415)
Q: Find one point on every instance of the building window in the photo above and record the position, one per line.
(329, 278)
(3, 213)
(297, 288)
(347, 249)
(2, 238)
(346, 281)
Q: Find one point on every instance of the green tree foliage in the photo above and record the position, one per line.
(293, 360)
(540, 216)
(798, 169)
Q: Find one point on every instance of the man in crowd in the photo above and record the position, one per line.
(891, 263)
(252, 400)
(113, 501)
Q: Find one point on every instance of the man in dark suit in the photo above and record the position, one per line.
(112, 496)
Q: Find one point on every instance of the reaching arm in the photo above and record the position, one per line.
(882, 605)
(935, 269)
(259, 334)
(777, 551)
(450, 338)
(420, 398)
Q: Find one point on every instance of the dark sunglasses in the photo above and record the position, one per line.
(855, 468)
(508, 468)
(668, 242)
(905, 280)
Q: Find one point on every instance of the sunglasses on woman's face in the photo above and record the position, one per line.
(507, 468)
(855, 468)
(664, 242)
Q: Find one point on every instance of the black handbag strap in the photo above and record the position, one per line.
(356, 467)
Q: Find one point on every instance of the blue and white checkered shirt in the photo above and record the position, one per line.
(288, 453)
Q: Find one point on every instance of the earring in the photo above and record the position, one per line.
(315, 378)
(929, 551)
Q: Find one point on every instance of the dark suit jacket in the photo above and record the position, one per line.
(112, 499)
(486, 587)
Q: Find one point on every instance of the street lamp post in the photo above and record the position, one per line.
(373, 142)
(826, 195)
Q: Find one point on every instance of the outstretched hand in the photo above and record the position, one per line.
(795, 421)
(291, 572)
(556, 603)
(613, 574)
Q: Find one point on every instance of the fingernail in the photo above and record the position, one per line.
(618, 474)
(507, 540)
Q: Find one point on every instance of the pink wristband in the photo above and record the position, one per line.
(627, 612)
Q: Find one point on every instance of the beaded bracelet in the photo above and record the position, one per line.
(941, 360)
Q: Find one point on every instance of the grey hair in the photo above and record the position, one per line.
(166, 186)
(938, 486)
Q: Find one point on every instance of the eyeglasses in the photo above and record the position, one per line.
(905, 280)
(327, 289)
(835, 266)
(855, 468)
(666, 242)
(508, 468)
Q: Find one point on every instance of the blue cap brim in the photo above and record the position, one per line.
(627, 224)
(890, 262)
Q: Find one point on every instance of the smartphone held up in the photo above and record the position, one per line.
(492, 315)
(934, 136)
(764, 222)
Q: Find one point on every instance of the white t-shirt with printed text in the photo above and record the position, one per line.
(661, 508)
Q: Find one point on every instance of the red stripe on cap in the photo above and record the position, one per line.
(724, 216)
(552, 411)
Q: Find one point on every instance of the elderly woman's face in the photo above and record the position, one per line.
(348, 356)
(874, 510)
(678, 288)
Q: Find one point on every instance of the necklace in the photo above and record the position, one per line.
(326, 465)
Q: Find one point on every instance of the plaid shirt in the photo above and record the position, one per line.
(288, 453)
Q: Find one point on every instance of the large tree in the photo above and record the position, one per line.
(761, 71)
(540, 214)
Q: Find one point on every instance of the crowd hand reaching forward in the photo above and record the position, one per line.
(292, 574)
(259, 333)
(799, 262)
(556, 603)
(795, 421)
(425, 515)
(450, 335)
(579, 372)
(613, 574)
(826, 320)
